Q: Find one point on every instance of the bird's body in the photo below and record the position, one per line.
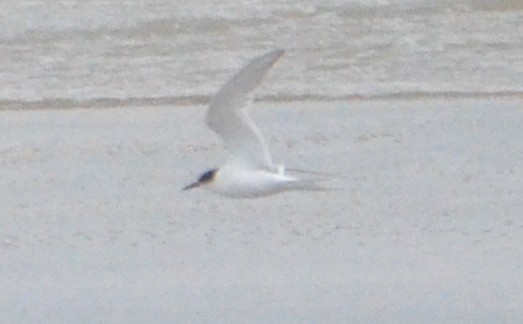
(249, 171)
(237, 182)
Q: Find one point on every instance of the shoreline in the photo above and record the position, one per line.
(112, 103)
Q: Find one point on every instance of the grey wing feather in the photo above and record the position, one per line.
(228, 113)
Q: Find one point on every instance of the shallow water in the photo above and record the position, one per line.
(73, 53)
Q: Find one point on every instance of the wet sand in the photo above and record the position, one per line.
(427, 228)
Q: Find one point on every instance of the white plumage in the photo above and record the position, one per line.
(249, 171)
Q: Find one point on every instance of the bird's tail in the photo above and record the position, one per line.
(310, 185)
(318, 175)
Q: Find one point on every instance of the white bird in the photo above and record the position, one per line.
(249, 171)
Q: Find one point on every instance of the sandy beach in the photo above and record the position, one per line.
(427, 228)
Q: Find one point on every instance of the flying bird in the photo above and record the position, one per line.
(249, 171)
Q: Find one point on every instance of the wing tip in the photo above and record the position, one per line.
(276, 53)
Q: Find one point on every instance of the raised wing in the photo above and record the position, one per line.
(229, 118)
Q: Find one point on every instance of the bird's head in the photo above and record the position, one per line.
(205, 179)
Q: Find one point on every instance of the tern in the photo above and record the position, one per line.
(249, 171)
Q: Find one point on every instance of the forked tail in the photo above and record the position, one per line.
(310, 185)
